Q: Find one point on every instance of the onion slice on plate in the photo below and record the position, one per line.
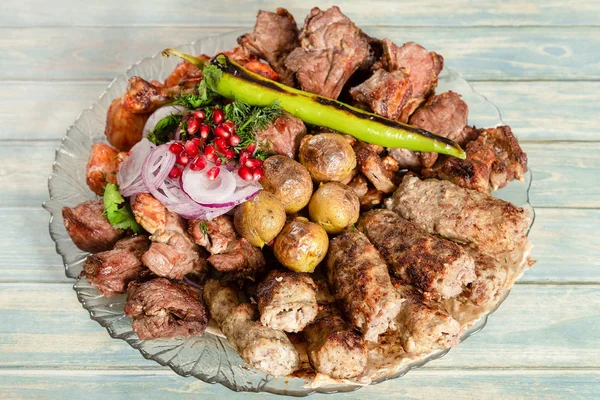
(159, 114)
(129, 175)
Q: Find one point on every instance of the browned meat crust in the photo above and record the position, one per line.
(386, 93)
(88, 227)
(372, 199)
(283, 136)
(359, 185)
(275, 35)
(439, 267)
(424, 325)
(490, 280)
(123, 127)
(142, 97)
(162, 309)
(185, 75)
(149, 213)
(102, 167)
(287, 301)
(110, 271)
(462, 215)
(221, 299)
(361, 283)
(333, 48)
(374, 169)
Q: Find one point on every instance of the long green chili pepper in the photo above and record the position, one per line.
(232, 81)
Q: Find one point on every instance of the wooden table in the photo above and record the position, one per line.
(539, 62)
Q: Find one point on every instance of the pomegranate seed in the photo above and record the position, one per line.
(218, 116)
(197, 142)
(213, 173)
(209, 152)
(271, 243)
(204, 131)
(176, 148)
(229, 125)
(193, 125)
(199, 114)
(221, 144)
(244, 155)
(183, 158)
(251, 147)
(253, 163)
(245, 173)
(191, 149)
(234, 140)
(229, 154)
(258, 174)
(198, 164)
(175, 173)
(222, 132)
(218, 161)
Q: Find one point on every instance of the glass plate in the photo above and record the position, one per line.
(209, 357)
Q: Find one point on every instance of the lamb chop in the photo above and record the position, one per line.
(162, 309)
(88, 227)
(439, 267)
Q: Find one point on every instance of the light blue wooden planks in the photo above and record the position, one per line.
(478, 53)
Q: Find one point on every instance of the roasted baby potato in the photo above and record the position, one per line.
(334, 206)
(260, 219)
(327, 157)
(301, 245)
(289, 181)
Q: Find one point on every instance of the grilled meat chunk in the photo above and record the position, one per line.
(282, 136)
(110, 271)
(423, 324)
(88, 227)
(221, 299)
(386, 93)
(332, 49)
(287, 301)
(143, 97)
(185, 75)
(275, 35)
(439, 267)
(361, 283)
(162, 309)
(493, 160)
(374, 169)
(359, 185)
(490, 280)
(102, 167)
(149, 213)
(462, 215)
(407, 159)
(123, 127)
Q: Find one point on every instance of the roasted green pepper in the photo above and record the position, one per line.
(232, 81)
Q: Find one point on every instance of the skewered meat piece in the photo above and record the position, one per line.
(264, 348)
(123, 127)
(287, 301)
(462, 215)
(424, 325)
(162, 309)
(110, 271)
(102, 167)
(361, 283)
(332, 49)
(374, 169)
(386, 93)
(493, 160)
(88, 227)
(439, 267)
(282, 136)
(275, 35)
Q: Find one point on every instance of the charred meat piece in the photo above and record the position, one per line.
(287, 301)
(110, 271)
(149, 213)
(490, 280)
(373, 198)
(251, 62)
(445, 115)
(142, 97)
(493, 160)
(332, 49)
(462, 215)
(361, 283)
(374, 169)
(123, 127)
(439, 267)
(359, 185)
(162, 309)
(386, 93)
(406, 159)
(215, 235)
(275, 35)
(88, 227)
(283, 136)
(185, 75)
(423, 324)
(102, 167)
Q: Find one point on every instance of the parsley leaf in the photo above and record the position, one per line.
(117, 211)
(164, 128)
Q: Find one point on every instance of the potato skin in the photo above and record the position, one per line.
(259, 219)
(301, 245)
(289, 181)
(334, 206)
(327, 157)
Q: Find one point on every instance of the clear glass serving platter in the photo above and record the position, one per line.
(209, 357)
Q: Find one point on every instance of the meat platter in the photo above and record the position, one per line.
(427, 276)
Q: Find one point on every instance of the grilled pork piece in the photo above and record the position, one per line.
(332, 49)
(361, 283)
(110, 271)
(462, 215)
(264, 348)
(287, 301)
(162, 309)
(88, 228)
(123, 127)
(275, 35)
(374, 169)
(493, 160)
(102, 167)
(439, 267)
(423, 324)
(185, 75)
(149, 213)
(283, 136)
(143, 97)
(386, 93)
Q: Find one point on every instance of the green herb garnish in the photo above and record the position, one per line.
(117, 211)
(164, 128)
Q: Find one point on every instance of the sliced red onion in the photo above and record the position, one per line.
(160, 114)
(130, 170)
(157, 166)
(203, 190)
